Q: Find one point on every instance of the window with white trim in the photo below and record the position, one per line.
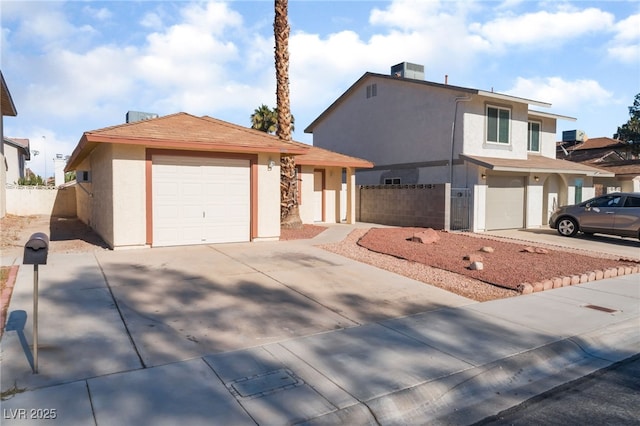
(533, 136)
(498, 124)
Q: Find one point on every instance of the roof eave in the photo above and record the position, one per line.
(591, 171)
(334, 163)
(6, 103)
(513, 98)
(89, 140)
(550, 115)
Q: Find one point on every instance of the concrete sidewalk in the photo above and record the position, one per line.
(453, 364)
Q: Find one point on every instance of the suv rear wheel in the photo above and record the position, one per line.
(567, 227)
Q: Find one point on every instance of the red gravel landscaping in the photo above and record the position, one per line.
(508, 266)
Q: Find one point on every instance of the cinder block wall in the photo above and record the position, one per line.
(404, 205)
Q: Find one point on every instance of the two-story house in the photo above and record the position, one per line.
(16, 154)
(421, 132)
(7, 108)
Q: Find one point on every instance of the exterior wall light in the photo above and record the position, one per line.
(271, 165)
(536, 178)
(483, 176)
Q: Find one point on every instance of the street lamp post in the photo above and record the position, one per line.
(44, 143)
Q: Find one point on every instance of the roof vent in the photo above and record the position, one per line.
(408, 70)
(133, 116)
(574, 136)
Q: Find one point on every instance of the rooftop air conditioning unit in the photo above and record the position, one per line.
(133, 116)
(574, 136)
(408, 70)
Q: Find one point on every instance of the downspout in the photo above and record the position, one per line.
(453, 133)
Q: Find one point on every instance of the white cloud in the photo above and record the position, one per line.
(48, 26)
(152, 20)
(79, 84)
(562, 94)
(625, 46)
(406, 14)
(542, 28)
(99, 14)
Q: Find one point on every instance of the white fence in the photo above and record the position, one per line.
(44, 200)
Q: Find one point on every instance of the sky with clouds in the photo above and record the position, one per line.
(81, 65)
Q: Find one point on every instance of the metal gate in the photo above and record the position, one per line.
(460, 209)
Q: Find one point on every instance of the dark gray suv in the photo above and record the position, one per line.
(617, 214)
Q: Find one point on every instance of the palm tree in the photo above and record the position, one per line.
(265, 119)
(289, 214)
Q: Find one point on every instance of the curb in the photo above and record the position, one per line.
(471, 395)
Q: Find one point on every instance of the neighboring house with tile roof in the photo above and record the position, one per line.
(182, 180)
(491, 144)
(8, 109)
(16, 153)
(611, 155)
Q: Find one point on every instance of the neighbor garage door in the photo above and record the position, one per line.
(505, 202)
(200, 200)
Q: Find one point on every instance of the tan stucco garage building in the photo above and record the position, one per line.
(182, 180)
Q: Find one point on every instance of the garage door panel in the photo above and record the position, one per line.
(200, 200)
(505, 202)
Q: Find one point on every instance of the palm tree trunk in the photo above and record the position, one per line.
(289, 214)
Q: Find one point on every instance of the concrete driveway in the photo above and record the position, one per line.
(183, 302)
(599, 243)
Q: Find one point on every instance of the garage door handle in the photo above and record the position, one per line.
(609, 212)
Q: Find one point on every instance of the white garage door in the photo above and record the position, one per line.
(200, 200)
(505, 202)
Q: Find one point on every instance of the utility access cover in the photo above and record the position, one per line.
(262, 384)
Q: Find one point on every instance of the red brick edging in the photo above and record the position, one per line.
(557, 282)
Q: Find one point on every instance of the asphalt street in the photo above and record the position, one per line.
(610, 396)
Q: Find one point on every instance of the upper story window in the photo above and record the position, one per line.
(372, 90)
(392, 181)
(498, 124)
(533, 136)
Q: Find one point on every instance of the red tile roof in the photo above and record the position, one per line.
(594, 143)
(183, 131)
(316, 156)
(188, 132)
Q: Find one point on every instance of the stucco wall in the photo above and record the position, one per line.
(419, 131)
(3, 172)
(129, 207)
(12, 164)
(101, 188)
(405, 205)
(3, 179)
(333, 190)
(268, 198)
(306, 194)
(84, 205)
(334, 194)
(474, 129)
(28, 200)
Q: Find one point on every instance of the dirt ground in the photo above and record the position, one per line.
(67, 235)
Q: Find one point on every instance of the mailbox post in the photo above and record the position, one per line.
(36, 251)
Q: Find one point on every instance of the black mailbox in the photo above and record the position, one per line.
(36, 249)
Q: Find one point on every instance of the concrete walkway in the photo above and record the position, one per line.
(171, 336)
